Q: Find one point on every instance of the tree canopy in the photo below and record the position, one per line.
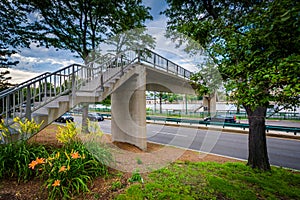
(14, 33)
(256, 47)
(81, 25)
(131, 40)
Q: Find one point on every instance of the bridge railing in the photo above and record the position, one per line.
(31, 95)
(24, 83)
(154, 60)
(162, 63)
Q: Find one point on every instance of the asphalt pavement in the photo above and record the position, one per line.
(282, 152)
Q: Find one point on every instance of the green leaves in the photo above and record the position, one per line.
(257, 46)
(80, 26)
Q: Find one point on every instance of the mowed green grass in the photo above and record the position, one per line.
(208, 180)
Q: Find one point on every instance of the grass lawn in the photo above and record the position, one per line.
(208, 180)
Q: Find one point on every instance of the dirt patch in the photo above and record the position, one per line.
(127, 158)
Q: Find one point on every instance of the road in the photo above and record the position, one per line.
(282, 152)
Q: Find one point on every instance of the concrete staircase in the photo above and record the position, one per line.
(91, 92)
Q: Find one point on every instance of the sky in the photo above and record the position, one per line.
(37, 60)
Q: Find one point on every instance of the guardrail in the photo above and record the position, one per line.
(243, 126)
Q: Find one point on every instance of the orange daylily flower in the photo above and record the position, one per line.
(40, 160)
(62, 169)
(33, 164)
(56, 183)
(75, 155)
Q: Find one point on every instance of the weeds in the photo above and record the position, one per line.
(116, 185)
(139, 161)
(136, 177)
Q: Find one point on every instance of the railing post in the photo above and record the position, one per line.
(45, 97)
(73, 83)
(7, 109)
(28, 103)
(167, 66)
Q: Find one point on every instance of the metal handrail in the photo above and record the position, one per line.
(35, 93)
(3, 92)
(163, 63)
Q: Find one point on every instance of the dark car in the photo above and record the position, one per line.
(64, 118)
(222, 118)
(95, 117)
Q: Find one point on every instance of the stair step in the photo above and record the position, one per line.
(53, 104)
(63, 98)
(88, 94)
(41, 112)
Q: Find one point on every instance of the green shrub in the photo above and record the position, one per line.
(15, 156)
(68, 170)
(91, 143)
(14, 159)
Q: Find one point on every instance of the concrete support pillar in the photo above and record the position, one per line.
(210, 101)
(128, 109)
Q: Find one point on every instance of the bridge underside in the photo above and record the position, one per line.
(128, 102)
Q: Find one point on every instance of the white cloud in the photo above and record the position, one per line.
(41, 59)
(19, 76)
(167, 48)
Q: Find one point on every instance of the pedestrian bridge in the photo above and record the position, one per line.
(125, 77)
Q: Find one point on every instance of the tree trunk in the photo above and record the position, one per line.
(208, 105)
(238, 110)
(160, 103)
(84, 123)
(85, 106)
(258, 155)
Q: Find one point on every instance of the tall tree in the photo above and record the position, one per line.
(14, 33)
(256, 45)
(81, 25)
(133, 39)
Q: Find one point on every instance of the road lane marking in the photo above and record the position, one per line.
(168, 133)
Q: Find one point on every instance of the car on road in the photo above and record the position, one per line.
(65, 118)
(95, 117)
(222, 118)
